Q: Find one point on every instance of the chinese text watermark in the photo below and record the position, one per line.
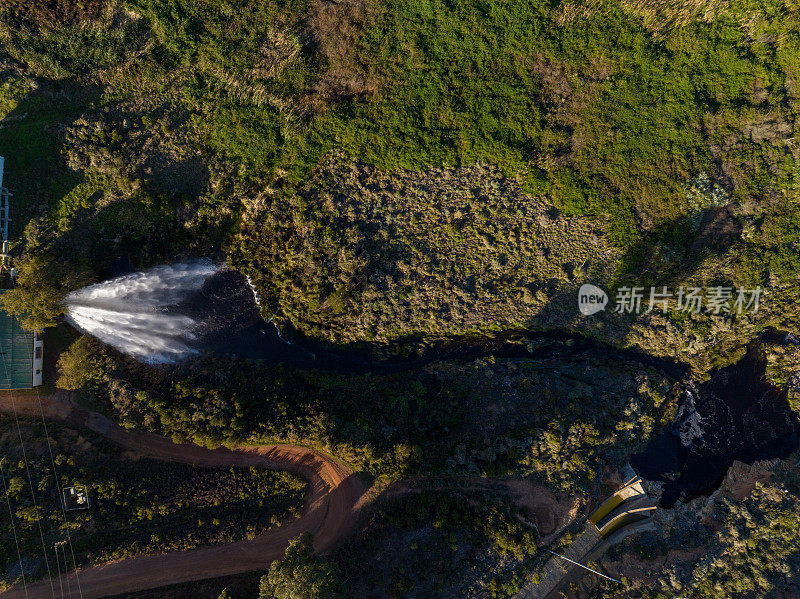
(636, 300)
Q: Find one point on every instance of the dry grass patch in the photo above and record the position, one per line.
(658, 16)
(49, 14)
(335, 28)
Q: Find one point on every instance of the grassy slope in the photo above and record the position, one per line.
(609, 112)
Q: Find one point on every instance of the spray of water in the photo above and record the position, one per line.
(131, 312)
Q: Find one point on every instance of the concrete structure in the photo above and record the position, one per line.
(75, 498)
(625, 513)
(627, 505)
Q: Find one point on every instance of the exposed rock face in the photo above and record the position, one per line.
(736, 415)
(743, 478)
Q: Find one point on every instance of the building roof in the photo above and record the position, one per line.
(16, 353)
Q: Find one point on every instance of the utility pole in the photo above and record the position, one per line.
(5, 205)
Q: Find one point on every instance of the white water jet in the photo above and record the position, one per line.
(129, 312)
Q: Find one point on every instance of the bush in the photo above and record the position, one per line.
(301, 574)
(82, 366)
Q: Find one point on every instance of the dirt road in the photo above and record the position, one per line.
(329, 511)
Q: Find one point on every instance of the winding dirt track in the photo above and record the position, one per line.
(329, 511)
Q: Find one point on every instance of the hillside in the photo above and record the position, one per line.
(424, 198)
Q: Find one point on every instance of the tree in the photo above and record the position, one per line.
(16, 486)
(40, 289)
(82, 366)
(302, 574)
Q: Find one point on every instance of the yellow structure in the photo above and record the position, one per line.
(627, 505)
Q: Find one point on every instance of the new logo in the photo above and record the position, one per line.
(591, 299)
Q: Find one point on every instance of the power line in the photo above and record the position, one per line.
(69, 586)
(62, 545)
(60, 501)
(584, 567)
(33, 495)
(58, 567)
(14, 529)
(30, 479)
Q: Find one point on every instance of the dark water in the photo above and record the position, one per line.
(230, 322)
(735, 415)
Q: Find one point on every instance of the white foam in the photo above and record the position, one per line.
(128, 312)
(254, 290)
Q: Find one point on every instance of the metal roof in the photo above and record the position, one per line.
(16, 353)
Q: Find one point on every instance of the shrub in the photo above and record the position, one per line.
(301, 574)
(82, 366)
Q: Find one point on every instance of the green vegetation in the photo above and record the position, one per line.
(390, 174)
(301, 574)
(434, 544)
(41, 285)
(82, 366)
(461, 544)
(358, 254)
(138, 506)
(488, 417)
(59, 50)
(757, 546)
(215, 120)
